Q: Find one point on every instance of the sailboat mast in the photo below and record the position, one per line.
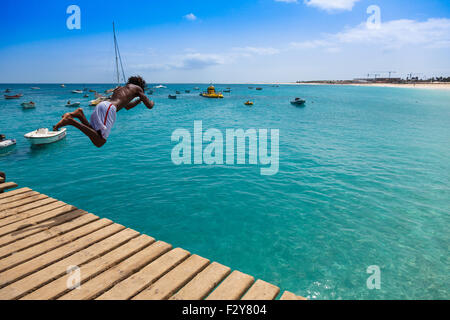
(117, 59)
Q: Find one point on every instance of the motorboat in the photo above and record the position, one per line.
(248, 103)
(187, 91)
(259, 89)
(63, 86)
(177, 92)
(35, 88)
(28, 105)
(227, 90)
(211, 93)
(172, 96)
(45, 136)
(160, 87)
(196, 88)
(73, 104)
(298, 102)
(90, 90)
(77, 91)
(6, 143)
(17, 96)
(96, 101)
(86, 96)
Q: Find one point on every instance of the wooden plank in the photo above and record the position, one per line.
(290, 296)
(32, 205)
(40, 262)
(34, 196)
(261, 290)
(89, 270)
(7, 185)
(46, 246)
(174, 279)
(134, 284)
(107, 279)
(233, 287)
(18, 196)
(199, 287)
(59, 268)
(66, 222)
(33, 225)
(14, 192)
(30, 213)
(41, 215)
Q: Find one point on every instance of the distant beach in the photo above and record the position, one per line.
(434, 85)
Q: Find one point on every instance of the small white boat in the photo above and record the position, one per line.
(77, 91)
(63, 86)
(73, 105)
(35, 88)
(28, 105)
(160, 87)
(44, 136)
(6, 143)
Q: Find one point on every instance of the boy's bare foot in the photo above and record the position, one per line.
(77, 113)
(67, 118)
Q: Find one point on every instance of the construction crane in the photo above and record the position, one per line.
(388, 72)
(373, 74)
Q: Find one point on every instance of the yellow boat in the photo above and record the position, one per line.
(248, 103)
(212, 93)
(96, 101)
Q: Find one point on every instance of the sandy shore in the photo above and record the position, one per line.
(436, 85)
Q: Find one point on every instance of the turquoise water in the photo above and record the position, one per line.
(364, 180)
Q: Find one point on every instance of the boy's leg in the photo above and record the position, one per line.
(96, 139)
(79, 114)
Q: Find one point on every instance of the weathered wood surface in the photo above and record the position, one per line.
(45, 244)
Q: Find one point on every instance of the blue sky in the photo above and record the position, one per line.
(222, 41)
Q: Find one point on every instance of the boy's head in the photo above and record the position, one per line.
(137, 80)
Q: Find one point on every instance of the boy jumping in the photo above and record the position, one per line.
(104, 115)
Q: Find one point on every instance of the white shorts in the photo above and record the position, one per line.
(103, 118)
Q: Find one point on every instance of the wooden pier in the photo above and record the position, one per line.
(45, 244)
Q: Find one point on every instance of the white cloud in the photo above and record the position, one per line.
(332, 5)
(262, 51)
(396, 34)
(190, 17)
(192, 60)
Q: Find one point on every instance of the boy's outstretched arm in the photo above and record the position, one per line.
(132, 104)
(142, 97)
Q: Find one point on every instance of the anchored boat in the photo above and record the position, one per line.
(298, 102)
(6, 143)
(28, 105)
(17, 96)
(172, 96)
(248, 103)
(211, 93)
(73, 104)
(44, 136)
(77, 91)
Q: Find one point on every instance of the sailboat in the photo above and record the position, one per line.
(118, 59)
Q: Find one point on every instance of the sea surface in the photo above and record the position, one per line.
(364, 180)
